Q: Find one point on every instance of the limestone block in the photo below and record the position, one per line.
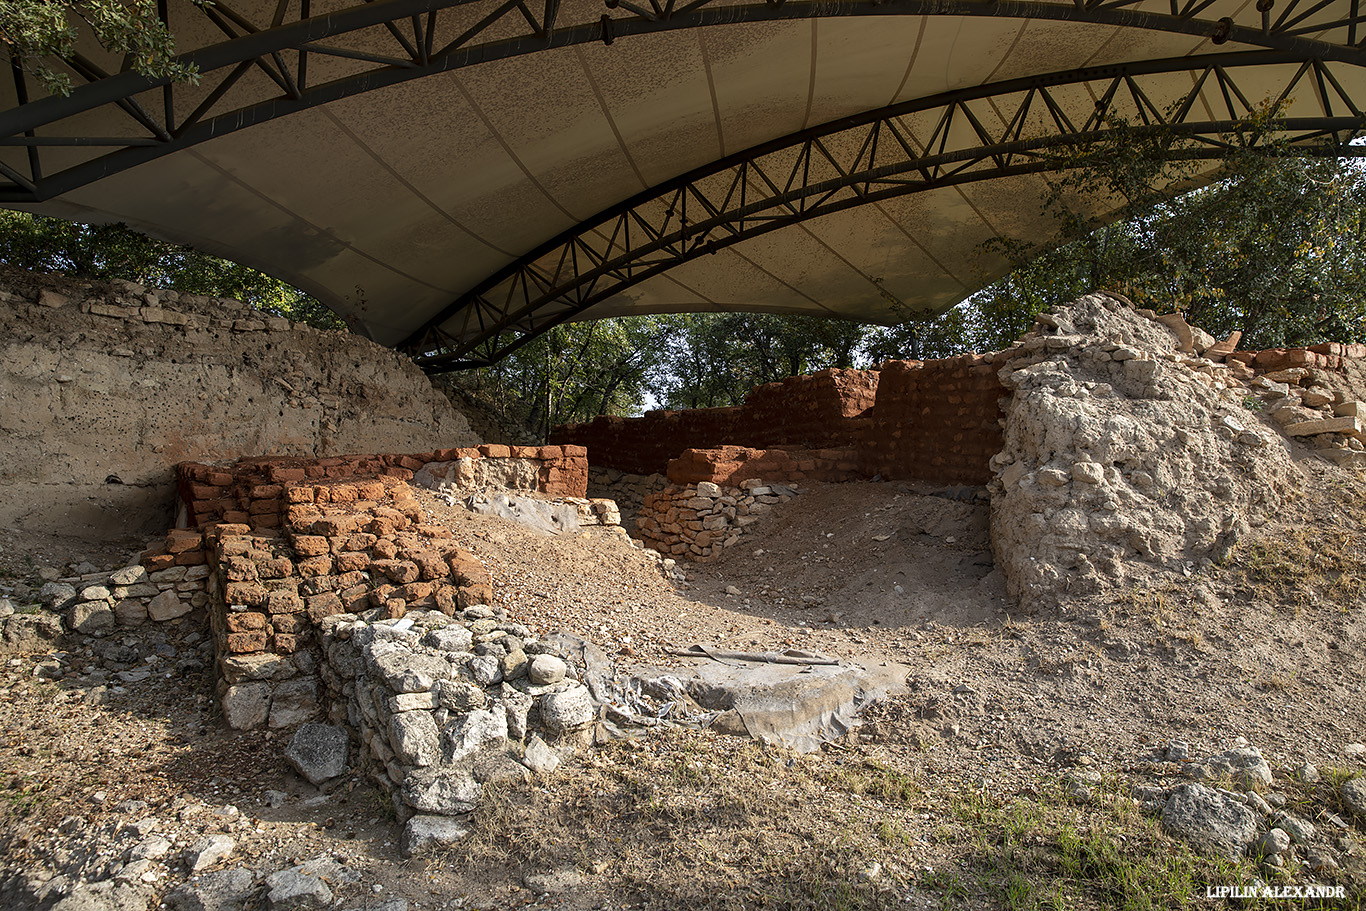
(1350, 425)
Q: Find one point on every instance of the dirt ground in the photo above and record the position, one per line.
(1012, 732)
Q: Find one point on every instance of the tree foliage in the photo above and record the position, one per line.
(106, 252)
(37, 31)
(715, 359)
(1273, 247)
(573, 373)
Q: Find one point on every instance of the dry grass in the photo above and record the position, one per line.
(695, 821)
(1314, 560)
(691, 821)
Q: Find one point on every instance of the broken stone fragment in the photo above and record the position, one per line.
(1347, 425)
(1205, 817)
(209, 850)
(246, 705)
(424, 834)
(1088, 472)
(1185, 338)
(318, 752)
(547, 670)
(567, 711)
(167, 606)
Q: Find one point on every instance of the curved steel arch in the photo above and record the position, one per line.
(856, 161)
(426, 39)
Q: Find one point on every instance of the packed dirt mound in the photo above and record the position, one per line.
(105, 387)
(1122, 460)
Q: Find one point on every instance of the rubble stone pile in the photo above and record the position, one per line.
(1124, 456)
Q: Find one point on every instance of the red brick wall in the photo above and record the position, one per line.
(729, 465)
(258, 492)
(802, 412)
(1329, 356)
(934, 421)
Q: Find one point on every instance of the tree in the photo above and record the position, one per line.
(573, 373)
(35, 31)
(106, 252)
(1273, 247)
(715, 359)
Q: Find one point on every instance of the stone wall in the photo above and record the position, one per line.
(697, 521)
(367, 549)
(627, 490)
(440, 705)
(104, 388)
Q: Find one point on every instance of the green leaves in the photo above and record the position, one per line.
(1276, 246)
(38, 33)
(106, 252)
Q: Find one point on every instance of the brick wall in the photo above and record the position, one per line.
(334, 554)
(729, 465)
(260, 492)
(934, 421)
(1329, 356)
(801, 412)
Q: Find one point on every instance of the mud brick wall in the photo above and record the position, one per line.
(801, 412)
(358, 548)
(730, 465)
(936, 421)
(1329, 356)
(254, 492)
(644, 445)
(806, 412)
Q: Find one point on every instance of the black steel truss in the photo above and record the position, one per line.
(410, 39)
(879, 156)
(966, 136)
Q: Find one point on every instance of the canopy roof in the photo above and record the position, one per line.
(452, 176)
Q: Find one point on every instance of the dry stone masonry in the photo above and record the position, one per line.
(169, 585)
(700, 520)
(442, 704)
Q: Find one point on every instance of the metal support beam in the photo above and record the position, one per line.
(983, 133)
(412, 39)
